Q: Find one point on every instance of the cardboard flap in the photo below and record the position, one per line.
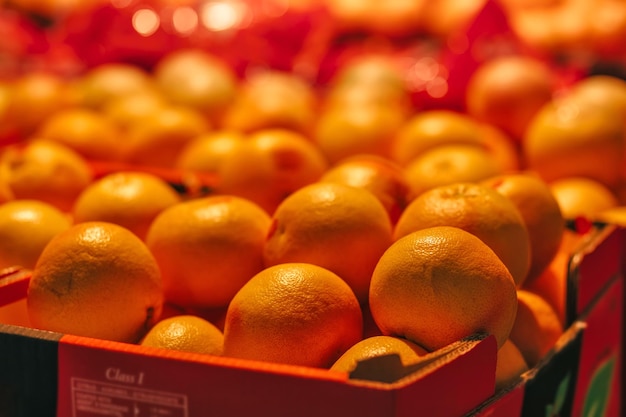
(13, 284)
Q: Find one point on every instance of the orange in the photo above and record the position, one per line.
(540, 211)
(381, 176)
(110, 81)
(537, 327)
(272, 99)
(45, 171)
(433, 128)
(441, 284)
(601, 90)
(570, 137)
(449, 164)
(128, 110)
(508, 90)
(479, 210)
(270, 165)
(510, 365)
(503, 149)
(130, 199)
(613, 215)
(197, 79)
(186, 333)
(158, 138)
(26, 227)
(98, 280)
(341, 132)
(206, 152)
(207, 248)
(338, 227)
(33, 98)
(376, 346)
(293, 313)
(582, 197)
(88, 132)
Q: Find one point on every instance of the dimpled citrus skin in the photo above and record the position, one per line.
(294, 313)
(376, 346)
(338, 227)
(186, 333)
(208, 248)
(479, 210)
(440, 284)
(26, 227)
(98, 280)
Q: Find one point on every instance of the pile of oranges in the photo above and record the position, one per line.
(342, 224)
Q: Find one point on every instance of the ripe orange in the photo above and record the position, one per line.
(582, 197)
(33, 98)
(570, 137)
(197, 79)
(501, 147)
(508, 90)
(537, 327)
(604, 91)
(449, 164)
(441, 284)
(338, 227)
(341, 132)
(510, 365)
(96, 279)
(158, 138)
(479, 210)
(130, 199)
(26, 227)
(207, 248)
(433, 128)
(88, 132)
(294, 313)
(207, 152)
(376, 346)
(540, 211)
(128, 110)
(381, 176)
(46, 171)
(186, 333)
(272, 99)
(104, 83)
(270, 165)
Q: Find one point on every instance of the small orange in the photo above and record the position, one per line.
(26, 227)
(510, 365)
(158, 138)
(269, 165)
(206, 152)
(294, 313)
(540, 211)
(341, 132)
(128, 198)
(375, 346)
(537, 327)
(582, 196)
(186, 333)
(128, 110)
(571, 137)
(46, 171)
(98, 280)
(338, 227)
(197, 79)
(441, 284)
(207, 248)
(479, 210)
(104, 83)
(433, 128)
(508, 90)
(382, 177)
(272, 99)
(449, 164)
(88, 132)
(504, 150)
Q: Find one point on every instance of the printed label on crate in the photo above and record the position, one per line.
(93, 397)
